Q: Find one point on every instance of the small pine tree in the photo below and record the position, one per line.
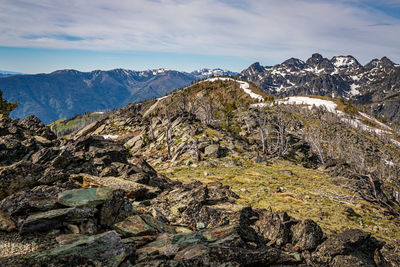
(6, 107)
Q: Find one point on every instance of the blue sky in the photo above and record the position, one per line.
(46, 35)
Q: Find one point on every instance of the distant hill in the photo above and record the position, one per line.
(64, 93)
(5, 73)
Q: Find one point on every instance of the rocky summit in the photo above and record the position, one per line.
(93, 199)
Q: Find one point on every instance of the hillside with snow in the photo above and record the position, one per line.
(375, 86)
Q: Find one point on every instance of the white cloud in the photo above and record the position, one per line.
(264, 30)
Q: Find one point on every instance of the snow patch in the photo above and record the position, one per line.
(358, 124)
(310, 102)
(243, 85)
(336, 71)
(343, 62)
(110, 136)
(354, 90)
(375, 120)
(158, 71)
(314, 70)
(289, 82)
(261, 105)
(276, 71)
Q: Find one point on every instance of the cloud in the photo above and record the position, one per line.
(55, 37)
(269, 30)
(380, 24)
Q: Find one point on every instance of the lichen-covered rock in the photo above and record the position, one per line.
(275, 227)
(53, 219)
(133, 190)
(20, 139)
(24, 175)
(134, 226)
(306, 235)
(115, 209)
(354, 247)
(195, 203)
(89, 197)
(39, 198)
(104, 249)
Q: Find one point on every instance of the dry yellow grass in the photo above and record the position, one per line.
(306, 194)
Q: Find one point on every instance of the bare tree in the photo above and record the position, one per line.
(261, 121)
(314, 138)
(206, 105)
(279, 123)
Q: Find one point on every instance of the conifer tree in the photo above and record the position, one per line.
(6, 107)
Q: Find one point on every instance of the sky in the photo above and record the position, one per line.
(47, 35)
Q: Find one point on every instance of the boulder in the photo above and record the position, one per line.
(198, 204)
(115, 209)
(275, 227)
(134, 226)
(306, 235)
(354, 247)
(132, 189)
(103, 151)
(88, 129)
(104, 249)
(53, 219)
(157, 224)
(39, 198)
(88, 197)
(67, 238)
(131, 143)
(24, 175)
(213, 151)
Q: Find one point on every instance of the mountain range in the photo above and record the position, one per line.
(64, 93)
(375, 86)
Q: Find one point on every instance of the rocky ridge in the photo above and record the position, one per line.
(103, 210)
(374, 86)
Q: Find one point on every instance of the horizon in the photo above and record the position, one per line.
(187, 71)
(46, 36)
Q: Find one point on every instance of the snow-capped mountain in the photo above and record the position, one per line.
(375, 85)
(206, 73)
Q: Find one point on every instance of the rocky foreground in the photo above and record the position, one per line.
(81, 203)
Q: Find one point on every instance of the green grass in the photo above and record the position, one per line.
(307, 194)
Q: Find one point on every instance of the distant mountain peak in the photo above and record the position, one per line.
(294, 62)
(317, 60)
(206, 73)
(384, 62)
(345, 62)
